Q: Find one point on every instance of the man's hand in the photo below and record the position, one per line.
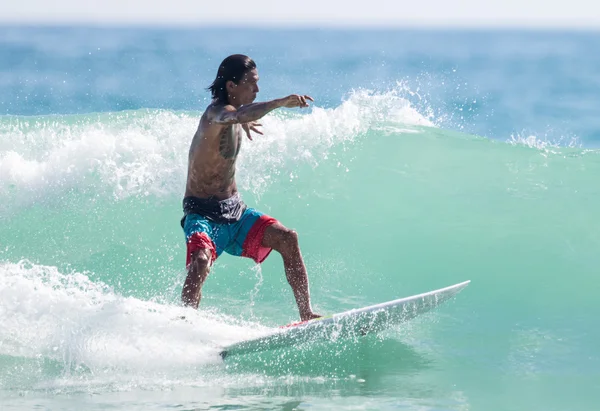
(252, 126)
(295, 100)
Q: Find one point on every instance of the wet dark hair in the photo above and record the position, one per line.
(233, 69)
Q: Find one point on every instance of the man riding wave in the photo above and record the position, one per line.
(215, 217)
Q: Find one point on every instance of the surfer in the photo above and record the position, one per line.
(215, 217)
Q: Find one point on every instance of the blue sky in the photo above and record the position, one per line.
(477, 13)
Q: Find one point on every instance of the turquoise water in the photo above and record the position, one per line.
(429, 158)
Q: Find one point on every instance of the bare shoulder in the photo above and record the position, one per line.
(221, 114)
(212, 127)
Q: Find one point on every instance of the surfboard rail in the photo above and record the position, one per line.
(351, 323)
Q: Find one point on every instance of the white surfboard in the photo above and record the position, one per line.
(347, 324)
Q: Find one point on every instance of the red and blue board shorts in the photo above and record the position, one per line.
(240, 238)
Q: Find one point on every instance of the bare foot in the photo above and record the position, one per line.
(310, 316)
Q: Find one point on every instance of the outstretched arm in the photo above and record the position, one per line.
(251, 112)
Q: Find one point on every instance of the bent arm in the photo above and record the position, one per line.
(245, 114)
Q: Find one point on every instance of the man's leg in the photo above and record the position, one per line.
(285, 241)
(197, 272)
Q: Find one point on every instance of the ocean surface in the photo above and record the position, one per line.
(428, 158)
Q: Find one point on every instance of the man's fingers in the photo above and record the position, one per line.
(303, 100)
(247, 130)
(256, 131)
(297, 100)
(251, 127)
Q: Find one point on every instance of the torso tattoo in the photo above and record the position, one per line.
(211, 170)
(230, 141)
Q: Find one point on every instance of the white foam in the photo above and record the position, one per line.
(120, 155)
(293, 138)
(70, 319)
(543, 143)
(145, 152)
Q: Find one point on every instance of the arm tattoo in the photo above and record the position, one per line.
(255, 111)
(245, 114)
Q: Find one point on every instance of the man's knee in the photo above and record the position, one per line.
(200, 262)
(288, 241)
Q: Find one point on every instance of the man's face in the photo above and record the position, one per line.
(245, 91)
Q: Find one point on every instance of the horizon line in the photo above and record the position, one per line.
(328, 25)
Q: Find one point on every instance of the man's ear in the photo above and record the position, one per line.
(230, 86)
